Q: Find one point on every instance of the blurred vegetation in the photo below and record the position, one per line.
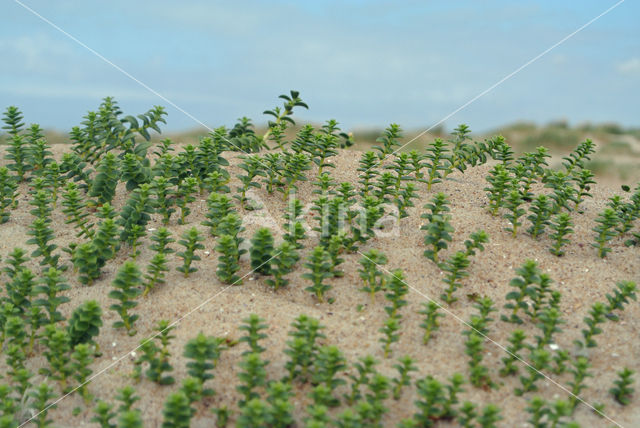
(617, 157)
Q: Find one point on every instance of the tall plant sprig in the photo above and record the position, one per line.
(438, 228)
(75, 208)
(164, 197)
(282, 116)
(8, 194)
(561, 226)
(185, 195)
(529, 274)
(388, 141)
(103, 186)
(294, 229)
(219, 205)
(282, 263)
(191, 241)
(319, 264)
(126, 289)
(134, 217)
(500, 184)
(540, 215)
(513, 203)
(605, 230)
(253, 167)
(374, 279)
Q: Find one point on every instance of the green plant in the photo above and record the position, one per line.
(20, 289)
(605, 230)
(563, 191)
(57, 344)
(396, 288)
(177, 412)
(41, 405)
(437, 155)
(85, 323)
(104, 184)
(516, 341)
(253, 325)
(184, 196)
(103, 414)
(8, 194)
(293, 168)
(404, 367)
(253, 167)
(204, 353)
(539, 360)
(191, 241)
(13, 120)
(623, 391)
(430, 323)
(51, 284)
(228, 265)
(328, 363)
(319, 264)
(252, 376)
(135, 215)
(501, 182)
(81, 359)
(580, 373)
(282, 263)
(86, 262)
(549, 320)
(302, 348)
(157, 357)
(390, 328)
(134, 171)
(439, 228)
(455, 270)
(577, 158)
(540, 214)
(513, 203)
(126, 289)
(262, 251)
(373, 277)
(75, 208)
(42, 236)
(529, 275)
(219, 206)
(388, 141)
(584, 180)
(561, 225)
(624, 291)
(164, 197)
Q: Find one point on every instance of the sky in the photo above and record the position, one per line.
(362, 63)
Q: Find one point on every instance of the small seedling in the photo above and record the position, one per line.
(41, 404)
(294, 230)
(185, 195)
(177, 412)
(539, 360)
(51, 284)
(157, 357)
(104, 184)
(282, 264)
(191, 241)
(75, 208)
(58, 346)
(501, 183)
(85, 323)
(605, 230)
(319, 264)
(42, 236)
(253, 167)
(396, 288)
(540, 213)
(561, 225)
(252, 376)
(430, 323)
(513, 204)
(584, 180)
(529, 275)
(437, 153)
(371, 274)
(391, 326)
(455, 270)
(580, 373)
(516, 341)
(439, 228)
(81, 359)
(228, 265)
(388, 141)
(404, 367)
(219, 206)
(134, 217)
(623, 391)
(261, 251)
(624, 291)
(164, 197)
(204, 353)
(127, 288)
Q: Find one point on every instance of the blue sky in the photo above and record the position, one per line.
(363, 63)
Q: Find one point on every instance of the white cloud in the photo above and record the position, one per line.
(629, 67)
(35, 52)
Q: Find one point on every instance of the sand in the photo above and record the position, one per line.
(202, 303)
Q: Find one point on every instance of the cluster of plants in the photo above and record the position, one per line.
(113, 155)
